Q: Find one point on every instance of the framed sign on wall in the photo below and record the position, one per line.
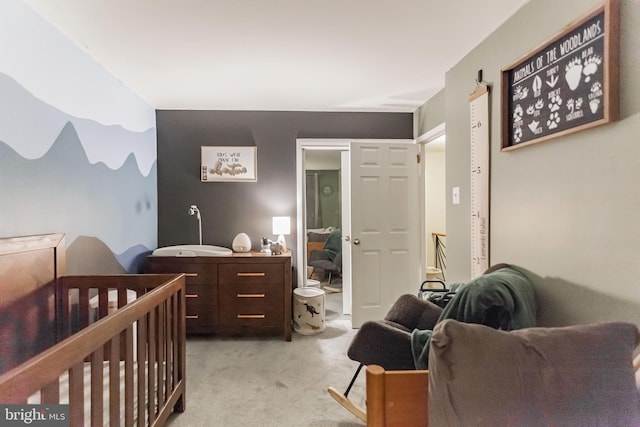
(568, 84)
(228, 164)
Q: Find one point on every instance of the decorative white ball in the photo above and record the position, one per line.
(241, 243)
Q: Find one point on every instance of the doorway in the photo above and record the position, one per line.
(322, 177)
(323, 232)
(399, 268)
(433, 149)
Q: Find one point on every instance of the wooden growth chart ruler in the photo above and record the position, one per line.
(479, 185)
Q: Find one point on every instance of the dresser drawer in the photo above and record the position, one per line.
(201, 295)
(196, 273)
(250, 273)
(252, 312)
(231, 291)
(266, 296)
(201, 308)
(199, 321)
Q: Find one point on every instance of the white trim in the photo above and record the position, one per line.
(431, 134)
(322, 143)
(337, 144)
(345, 175)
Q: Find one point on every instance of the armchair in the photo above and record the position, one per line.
(329, 258)
(387, 342)
(320, 259)
(494, 368)
(502, 298)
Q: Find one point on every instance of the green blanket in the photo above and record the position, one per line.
(503, 299)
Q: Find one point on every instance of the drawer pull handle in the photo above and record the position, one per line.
(250, 295)
(191, 274)
(191, 295)
(192, 317)
(251, 316)
(251, 274)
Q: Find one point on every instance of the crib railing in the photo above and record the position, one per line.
(145, 338)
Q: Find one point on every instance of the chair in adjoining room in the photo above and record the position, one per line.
(329, 258)
(332, 269)
(502, 298)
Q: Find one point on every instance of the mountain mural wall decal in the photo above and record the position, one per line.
(91, 254)
(63, 191)
(23, 117)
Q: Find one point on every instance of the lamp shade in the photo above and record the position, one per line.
(281, 225)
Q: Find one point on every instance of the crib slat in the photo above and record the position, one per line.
(161, 355)
(169, 351)
(76, 394)
(103, 302)
(151, 365)
(122, 297)
(181, 350)
(63, 312)
(128, 377)
(114, 382)
(51, 393)
(83, 308)
(142, 360)
(175, 348)
(97, 386)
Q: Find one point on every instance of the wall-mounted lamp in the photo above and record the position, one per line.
(282, 227)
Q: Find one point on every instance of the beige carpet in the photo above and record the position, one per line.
(269, 382)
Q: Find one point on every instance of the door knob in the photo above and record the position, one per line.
(356, 241)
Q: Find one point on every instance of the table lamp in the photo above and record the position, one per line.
(281, 227)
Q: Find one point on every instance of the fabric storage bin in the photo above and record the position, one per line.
(308, 310)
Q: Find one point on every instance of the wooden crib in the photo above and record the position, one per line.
(59, 333)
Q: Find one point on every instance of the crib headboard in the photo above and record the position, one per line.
(29, 262)
(29, 267)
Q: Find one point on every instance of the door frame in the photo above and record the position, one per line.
(336, 144)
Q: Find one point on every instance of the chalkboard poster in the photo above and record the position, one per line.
(567, 85)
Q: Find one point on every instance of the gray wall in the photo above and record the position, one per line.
(430, 114)
(566, 209)
(230, 208)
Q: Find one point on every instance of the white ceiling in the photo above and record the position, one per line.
(281, 55)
